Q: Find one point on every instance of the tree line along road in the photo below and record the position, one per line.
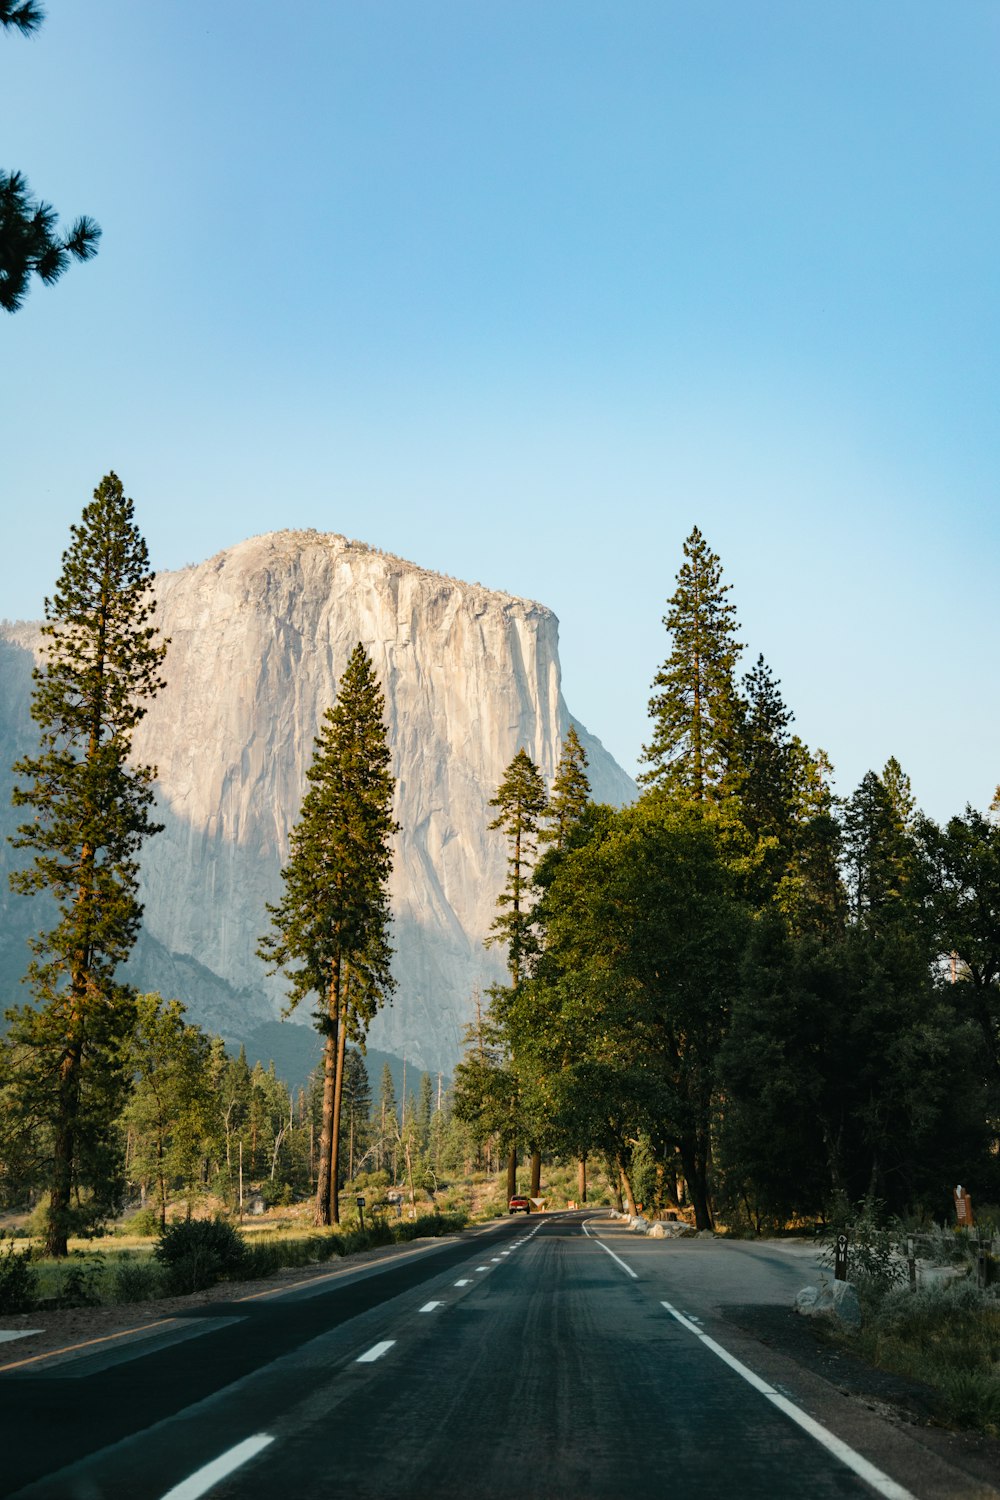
(558, 1356)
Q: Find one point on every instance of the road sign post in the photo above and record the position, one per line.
(840, 1258)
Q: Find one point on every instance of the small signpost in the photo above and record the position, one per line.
(840, 1258)
(963, 1208)
(361, 1211)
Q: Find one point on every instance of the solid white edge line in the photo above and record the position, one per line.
(634, 1274)
(880, 1482)
(375, 1352)
(205, 1478)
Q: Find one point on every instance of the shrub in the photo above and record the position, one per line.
(873, 1261)
(972, 1399)
(80, 1284)
(136, 1280)
(196, 1252)
(144, 1223)
(18, 1281)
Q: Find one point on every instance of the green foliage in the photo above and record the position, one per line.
(948, 1337)
(335, 904)
(521, 803)
(167, 1117)
(695, 707)
(24, 15)
(874, 1265)
(29, 240)
(18, 1281)
(196, 1252)
(80, 1283)
(570, 793)
(146, 1223)
(90, 814)
(136, 1279)
(331, 928)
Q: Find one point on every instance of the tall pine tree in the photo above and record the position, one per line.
(570, 792)
(520, 802)
(90, 814)
(331, 926)
(695, 707)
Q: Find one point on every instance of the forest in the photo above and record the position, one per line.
(755, 1001)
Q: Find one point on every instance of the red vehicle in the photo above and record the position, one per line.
(519, 1206)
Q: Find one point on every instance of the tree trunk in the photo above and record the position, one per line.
(536, 1173)
(57, 1227)
(581, 1178)
(338, 1093)
(626, 1187)
(696, 1176)
(511, 1172)
(321, 1213)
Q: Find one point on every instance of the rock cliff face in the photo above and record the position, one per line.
(259, 638)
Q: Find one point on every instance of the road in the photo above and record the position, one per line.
(550, 1357)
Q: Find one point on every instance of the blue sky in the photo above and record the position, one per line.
(523, 291)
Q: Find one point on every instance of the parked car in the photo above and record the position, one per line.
(519, 1206)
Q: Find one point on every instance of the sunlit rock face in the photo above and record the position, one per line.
(259, 637)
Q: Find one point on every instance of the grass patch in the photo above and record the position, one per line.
(949, 1338)
(191, 1256)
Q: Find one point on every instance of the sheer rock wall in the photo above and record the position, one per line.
(259, 637)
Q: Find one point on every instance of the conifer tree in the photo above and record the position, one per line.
(357, 1103)
(388, 1121)
(695, 707)
(570, 792)
(880, 848)
(331, 927)
(520, 802)
(90, 814)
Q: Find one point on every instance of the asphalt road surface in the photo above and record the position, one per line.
(555, 1356)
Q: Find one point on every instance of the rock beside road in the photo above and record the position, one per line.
(835, 1301)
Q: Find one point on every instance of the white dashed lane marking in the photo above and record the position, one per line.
(208, 1477)
(375, 1352)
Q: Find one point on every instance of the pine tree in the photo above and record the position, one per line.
(570, 792)
(880, 848)
(101, 664)
(331, 926)
(695, 706)
(29, 240)
(766, 765)
(520, 802)
(357, 1104)
(388, 1122)
(168, 1116)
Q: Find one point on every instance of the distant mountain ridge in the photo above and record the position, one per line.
(260, 635)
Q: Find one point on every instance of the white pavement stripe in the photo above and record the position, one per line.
(482, 1268)
(880, 1482)
(375, 1352)
(634, 1274)
(465, 1281)
(204, 1480)
(430, 1306)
